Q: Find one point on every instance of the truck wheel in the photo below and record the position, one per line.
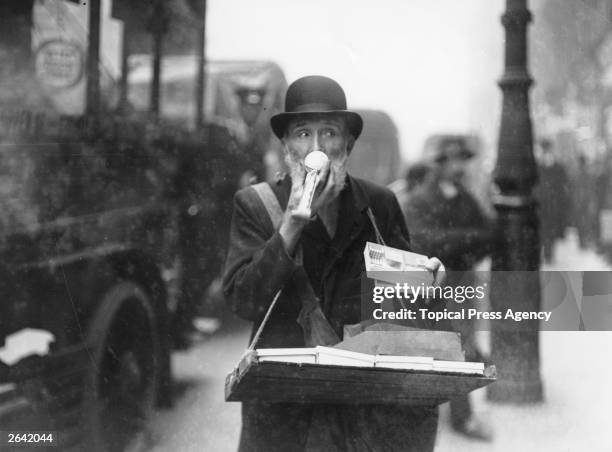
(122, 384)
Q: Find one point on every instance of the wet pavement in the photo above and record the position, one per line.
(201, 420)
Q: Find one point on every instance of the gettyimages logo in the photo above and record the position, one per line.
(512, 301)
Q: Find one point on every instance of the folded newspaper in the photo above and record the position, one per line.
(337, 357)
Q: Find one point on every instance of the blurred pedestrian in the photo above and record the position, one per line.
(603, 199)
(552, 193)
(416, 176)
(584, 202)
(446, 220)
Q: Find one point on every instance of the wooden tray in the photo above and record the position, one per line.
(316, 383)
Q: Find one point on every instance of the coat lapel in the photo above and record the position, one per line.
(353, 220)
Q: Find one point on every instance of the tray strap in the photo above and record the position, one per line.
(316, 328)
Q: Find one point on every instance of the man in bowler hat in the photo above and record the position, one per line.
(267, 256)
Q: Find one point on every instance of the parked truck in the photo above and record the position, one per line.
(113, 218)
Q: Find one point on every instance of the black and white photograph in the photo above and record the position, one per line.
(318, 226)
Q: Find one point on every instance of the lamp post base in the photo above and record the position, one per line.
(518, 368)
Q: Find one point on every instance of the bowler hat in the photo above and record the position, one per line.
(315, 95)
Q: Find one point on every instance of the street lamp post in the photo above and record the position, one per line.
(158, 26)
(200, 9)
(93, 61)
(515, 280)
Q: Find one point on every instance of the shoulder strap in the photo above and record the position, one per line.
(316, 328)
(379, 237)
(274, 210)
(270, 202)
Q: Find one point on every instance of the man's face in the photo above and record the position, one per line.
(327, 134)
(453, 168)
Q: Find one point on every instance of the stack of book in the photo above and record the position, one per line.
(331, 375)
(375, 363)
(337, 357)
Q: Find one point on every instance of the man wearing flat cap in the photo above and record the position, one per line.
(445, 218)
(273, 251)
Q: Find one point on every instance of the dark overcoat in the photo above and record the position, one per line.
(553, 195)
(456, 230)
(258, 266)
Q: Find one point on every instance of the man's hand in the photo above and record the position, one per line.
(325, 191)
(436, 266)
(292, 225)
(328, 188)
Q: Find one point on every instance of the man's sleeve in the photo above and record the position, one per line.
(257, 264)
